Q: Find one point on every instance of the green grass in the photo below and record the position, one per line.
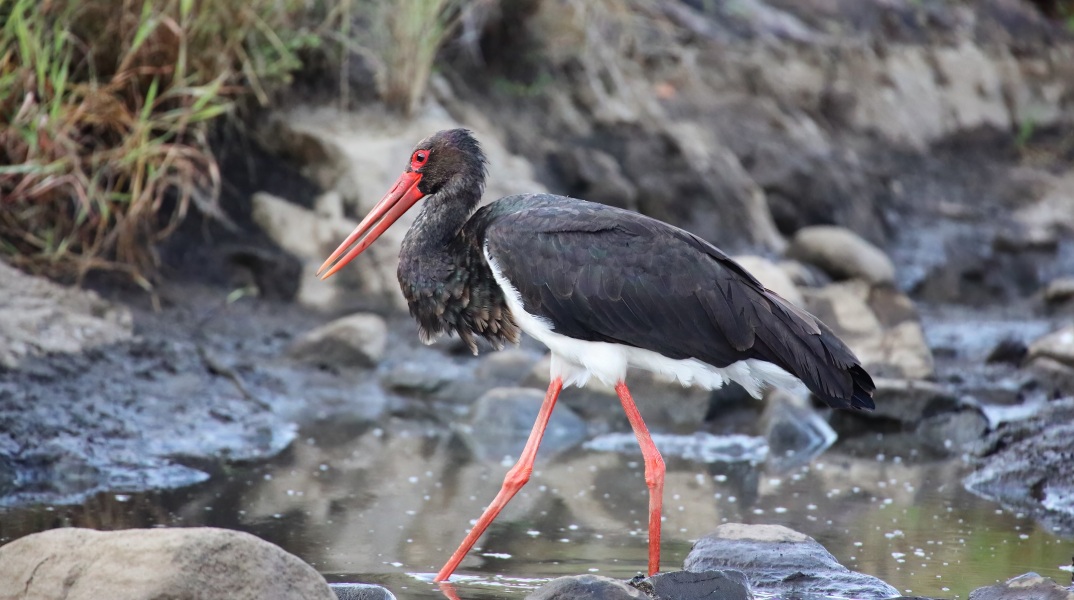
(104, 113)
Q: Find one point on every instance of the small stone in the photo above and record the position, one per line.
(132, 564)
(1008, 350)
(356, 340)
(1058, 346)
(842, 253)
(771, 276)
(588, 587)
(1030, 586)
(1059, 290)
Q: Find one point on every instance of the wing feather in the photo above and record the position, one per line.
(603, 274)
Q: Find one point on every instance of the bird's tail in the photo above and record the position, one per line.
(804, 346)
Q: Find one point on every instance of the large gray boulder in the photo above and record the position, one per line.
(148, 564)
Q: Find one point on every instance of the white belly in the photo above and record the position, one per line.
(577, 360)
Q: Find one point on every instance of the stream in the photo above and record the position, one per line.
(378, 504)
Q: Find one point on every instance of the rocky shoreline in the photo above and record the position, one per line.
(866, 160)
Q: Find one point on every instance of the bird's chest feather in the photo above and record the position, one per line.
(453, 292)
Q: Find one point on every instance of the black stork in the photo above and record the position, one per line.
(605, 289)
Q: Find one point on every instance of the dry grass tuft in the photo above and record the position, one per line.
(104, 107)
(412, 33)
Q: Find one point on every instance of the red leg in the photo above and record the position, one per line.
(515, 479)
(654, 473)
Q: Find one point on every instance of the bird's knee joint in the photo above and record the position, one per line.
(517, 477)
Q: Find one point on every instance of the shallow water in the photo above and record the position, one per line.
(388, 504)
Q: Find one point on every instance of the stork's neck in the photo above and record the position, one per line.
(442, 216)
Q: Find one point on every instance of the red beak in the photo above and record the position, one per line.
(402, 196)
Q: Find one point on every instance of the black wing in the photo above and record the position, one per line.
(604, 274)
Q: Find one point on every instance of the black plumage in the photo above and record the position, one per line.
(600, 273)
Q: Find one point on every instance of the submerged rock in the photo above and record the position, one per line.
(133, 564)
(360, 591)
(795, 433)
(842, 253)
(503, 418)
(687, 585)
(699, 447)
(355, 340)
(1024, 587)
(589, 587)
(776, 559)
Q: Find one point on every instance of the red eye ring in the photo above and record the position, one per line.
(419, 158)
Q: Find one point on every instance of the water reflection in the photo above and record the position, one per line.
(387, 504)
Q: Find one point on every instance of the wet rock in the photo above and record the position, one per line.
(771, 276)
(778, 559)
(589, 587)
(1029, 466)
(503, 418)
(423, 378)
(1059, 290)
(196, 562)
(39, 317)
(1024, 587)
(842, 253)
(686, 585)
(1055, 377)
(360, 591)
(795, 432)
(77, 424)
(1008, 350)
(879, 324)
(355, 340)
(1058, 346)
